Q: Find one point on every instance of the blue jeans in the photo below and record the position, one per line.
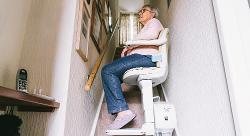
(112, 78)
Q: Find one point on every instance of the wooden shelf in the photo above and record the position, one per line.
(25, 102)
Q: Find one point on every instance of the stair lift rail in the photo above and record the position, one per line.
(159, 117)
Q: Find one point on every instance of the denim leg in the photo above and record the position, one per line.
(112, 78)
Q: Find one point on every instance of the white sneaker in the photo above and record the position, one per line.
(121, 121)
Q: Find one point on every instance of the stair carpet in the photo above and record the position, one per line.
(132, 95)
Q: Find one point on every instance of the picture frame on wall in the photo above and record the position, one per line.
(106, 16)
(82, 31)
(109, 17)
(169, 1)
(88, 4)
(88, 1)
(99, 6)
(95, 26)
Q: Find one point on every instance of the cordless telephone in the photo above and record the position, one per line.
(21, 80)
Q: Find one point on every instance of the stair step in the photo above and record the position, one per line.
(132, 95)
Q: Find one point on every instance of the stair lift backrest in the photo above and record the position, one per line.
(156, 74)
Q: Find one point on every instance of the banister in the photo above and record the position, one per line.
(99, 60)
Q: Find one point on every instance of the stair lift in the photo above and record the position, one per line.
(159, 116)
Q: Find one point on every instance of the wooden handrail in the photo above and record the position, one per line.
(99, 60)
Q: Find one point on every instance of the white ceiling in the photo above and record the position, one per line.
(130, 5)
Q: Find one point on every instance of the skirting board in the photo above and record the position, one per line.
(92, 132)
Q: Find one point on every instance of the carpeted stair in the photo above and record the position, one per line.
(133, 97)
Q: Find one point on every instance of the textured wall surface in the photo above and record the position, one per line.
(196, 82)
(13, 18)
(81, 105)
(45, 47)
(46, 55)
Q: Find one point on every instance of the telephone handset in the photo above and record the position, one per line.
(21, 80)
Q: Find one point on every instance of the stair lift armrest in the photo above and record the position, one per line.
(157, 42)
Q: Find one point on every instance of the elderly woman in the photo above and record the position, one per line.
(131, 57)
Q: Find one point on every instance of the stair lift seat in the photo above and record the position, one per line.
(157, 74)
(146, 79)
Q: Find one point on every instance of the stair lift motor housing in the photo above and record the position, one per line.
(165, 118)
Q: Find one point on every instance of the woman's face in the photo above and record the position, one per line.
(145, 14)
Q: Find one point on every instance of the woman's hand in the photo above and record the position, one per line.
(127, 50)
(124, 52)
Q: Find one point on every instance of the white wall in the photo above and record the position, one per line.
(46, 55)
(45, 47)
(233, 19)
(130, 6)
(196, 83)
(82, 106)
(13, 18)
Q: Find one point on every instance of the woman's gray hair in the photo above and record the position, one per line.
(153, 9)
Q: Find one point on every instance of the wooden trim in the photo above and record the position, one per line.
(96, 41)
